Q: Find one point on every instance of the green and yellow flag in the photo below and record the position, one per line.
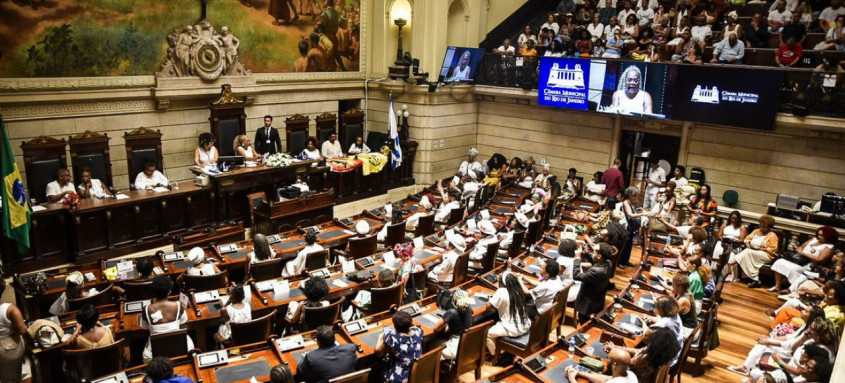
(15, 202)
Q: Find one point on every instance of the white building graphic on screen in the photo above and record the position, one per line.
(566, 78)
(704, 95)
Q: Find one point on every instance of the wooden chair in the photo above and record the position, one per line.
(351, 126)
(102, 298)
(660, 375)
(227, 122)
(360, 247)
(559, 316)
(353, 377)
(138, 290)
(395, 234)
(317, 260)
(532, 234)
(675, 370)
(461, 270)
(425, 226)
(314, 317)
(536, 338)
(326, 125)
(516, 245)
(426, 369)
(143, 145)
(698, 350)
(42, 157)
(170, 344)
(455, 216)
(296, 132)
(95, 362)
(265, 270)
(91, 150)
(470, 355)
(255, 200)
(383, 298)
(206, 282)
(254, 331)
(489, 260)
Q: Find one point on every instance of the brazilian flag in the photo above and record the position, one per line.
(15, 202)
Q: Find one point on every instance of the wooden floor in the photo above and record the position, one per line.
(741, 320)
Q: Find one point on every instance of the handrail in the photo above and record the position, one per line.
(801, 93)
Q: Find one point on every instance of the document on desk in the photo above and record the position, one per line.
(121, 196)
(38, 208)
(160, 189)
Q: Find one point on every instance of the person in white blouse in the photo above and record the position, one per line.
(451, 200)
(310, 152)
(471, 168)
(596, 28)
(444, 272)
(546, 288)
(550, 23)
(656, 179)
(480, 250)
(678, 178)
(74, 289)
(243, 147)
(61, 188)
(358, 146)
(91, 187)
(206, 153)
(200, 267)
(150, 178)
(331, 148)
(297, 265)
(462, 71)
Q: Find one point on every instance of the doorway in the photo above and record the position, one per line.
(636, 148)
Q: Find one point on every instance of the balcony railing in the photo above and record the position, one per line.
(803, 91)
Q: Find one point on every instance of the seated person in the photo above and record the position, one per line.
(451, 200)
(331, 148)
(89, 332)
(569, 263)
(328, 361)
(384, 278)
(816, 252)
(205, 153)
(74, 289)
(833, 305)
(660, 349)
(455, 320)
(729, 51)
(236, 310)
(480, 250)
(666, 309)
(573, 184)
(61, 188)
(543, 180)
(163, 315)
(509, 302)
(546, 289)
(595, 189)
(444, 272)
(200, 267)
(243, 147)
(91, 187)
(519, 222)
(315, 290)
(297, 265)
(496, 167)
(513, 171)
(145, 267)
(150, 178)
(403, 345)
(761, 248)
(686, 303)
(471, 168)
(310, 152)
(409, 264)
(281, 374)
(620, 363)
(261, 251)
(395, 219)
(358, 146)
(424, 210)
(160, 370)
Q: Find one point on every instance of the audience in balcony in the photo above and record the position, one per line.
(550, 24)
(794, 29)
(529, 49)
(566, 6)
(756, 35)
(584, 15)
(631, 30)
(645, 17)
(596, 28)
(692, 56)
(606, 11)
(627, 10)
(835, 37)
(789, 54)
(827, 18)
(779, 16)
(527, 34)
(702, 31)
(731, 25)
(729, 51)
(506, 48)
(611, 26)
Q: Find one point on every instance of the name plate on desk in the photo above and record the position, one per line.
(320, 273)
(412, 309)
(265, 286)
(135, 306)
(230, 248)
(116, 378)
(207, 296)
(210, 359)
(273, 239)
(290, 343)
(173, 257)
(355, 327)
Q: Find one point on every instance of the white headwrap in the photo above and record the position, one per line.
(196, 256)
(361, 227)
(473, 152)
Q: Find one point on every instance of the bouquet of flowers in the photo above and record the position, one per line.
(278, 160)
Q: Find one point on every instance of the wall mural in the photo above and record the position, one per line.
(80, 38)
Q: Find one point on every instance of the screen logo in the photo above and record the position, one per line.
(705, 95)
(563, 83)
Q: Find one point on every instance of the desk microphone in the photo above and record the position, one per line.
(112, 192)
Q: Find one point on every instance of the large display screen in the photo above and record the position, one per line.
(459, 64)
(740, 97)
(633, 88)
(563, 82)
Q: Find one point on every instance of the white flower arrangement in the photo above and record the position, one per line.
(278, 160)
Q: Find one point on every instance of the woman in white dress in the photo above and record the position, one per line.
(200, 267)
(12, 330)
(261, 251)
(509, 302)
(760, 248)
(297, 265)
(206, 153)
(74, 289)
(243, 147)
(163, 315)
(311, 152)
(480, 250)
(91, 187)
(816, 252)
(235, 311)
(733, 230)
(445, 270)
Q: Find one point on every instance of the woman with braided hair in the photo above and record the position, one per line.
(509, 301)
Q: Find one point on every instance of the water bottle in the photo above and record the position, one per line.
(571, 348)
(510, 262)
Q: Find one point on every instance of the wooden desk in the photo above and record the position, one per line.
(232, 187)
(102, 226)
(276, 217)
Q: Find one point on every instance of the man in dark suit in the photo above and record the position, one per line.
(267, 139)
(594, 283)
(328, 361)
